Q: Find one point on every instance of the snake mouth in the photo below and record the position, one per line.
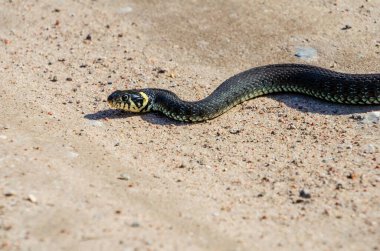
(112, 104)
(116, 104)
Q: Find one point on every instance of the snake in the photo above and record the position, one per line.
(318, 82)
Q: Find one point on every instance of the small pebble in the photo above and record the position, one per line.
(135, 224)
(9, 193)
(182, 165)
(215, 214)
(88, 37)
(124, 176)
(328, 159)
(6, 41)
(346, 27)
(306, 53)
(159, 70)
(235, 130)
(352, 176)
(305, 194)
(372, 117)
(125, 10)
(339, 186)
(370, 148)
(368, 118)
(72, 154)
(32, 198)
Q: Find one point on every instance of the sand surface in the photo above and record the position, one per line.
(283, 172)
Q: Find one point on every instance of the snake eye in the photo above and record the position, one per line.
(125, 97)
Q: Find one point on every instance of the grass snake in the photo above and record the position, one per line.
(298, 78)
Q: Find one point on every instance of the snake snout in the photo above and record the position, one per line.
(114, 96)
(115, 99)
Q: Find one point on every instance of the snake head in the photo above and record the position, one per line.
(129, 100)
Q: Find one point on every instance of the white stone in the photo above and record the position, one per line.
(124, 10)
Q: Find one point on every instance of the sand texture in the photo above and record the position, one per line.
(281, 172)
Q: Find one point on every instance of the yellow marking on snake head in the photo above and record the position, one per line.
(129, 100)
(139, 103)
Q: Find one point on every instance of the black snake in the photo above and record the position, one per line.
(311, 80)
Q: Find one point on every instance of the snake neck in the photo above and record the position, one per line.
(212, 106)
(172, 106)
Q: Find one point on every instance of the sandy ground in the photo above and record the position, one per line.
(283, 172)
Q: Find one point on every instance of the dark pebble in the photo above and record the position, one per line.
(89, 38)
(159, 70)
(339, 186)
(298, 201)
(346, 27)
(305, 194)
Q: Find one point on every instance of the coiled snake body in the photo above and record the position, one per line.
(310, 80)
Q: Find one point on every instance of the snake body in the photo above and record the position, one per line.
(306, 79)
